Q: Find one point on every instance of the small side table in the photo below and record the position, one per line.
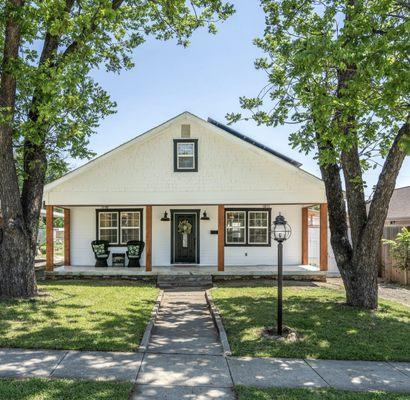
(118, 260)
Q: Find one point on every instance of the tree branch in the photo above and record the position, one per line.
(385, 186)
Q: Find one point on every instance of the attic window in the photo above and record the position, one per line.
(185, 155)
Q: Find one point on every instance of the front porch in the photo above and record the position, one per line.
(229, 272)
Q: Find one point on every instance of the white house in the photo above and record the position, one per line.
(226, 186)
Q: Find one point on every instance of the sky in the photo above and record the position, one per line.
(207, 79)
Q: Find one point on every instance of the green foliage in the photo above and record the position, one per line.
(58, 104)
(400, 249)
(311, 47)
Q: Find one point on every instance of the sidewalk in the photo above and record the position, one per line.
(184, 360)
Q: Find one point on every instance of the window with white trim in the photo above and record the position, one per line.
(258, 227)
(108, 226)
(247, 227)
(185, 155)
(130, 226)
(119, 226)
(235, 227)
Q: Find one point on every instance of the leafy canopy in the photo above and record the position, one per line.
(58, 104)
(309, 45)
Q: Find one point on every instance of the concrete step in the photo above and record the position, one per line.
(176, 281)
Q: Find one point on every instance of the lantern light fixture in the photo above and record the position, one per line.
(281, 229)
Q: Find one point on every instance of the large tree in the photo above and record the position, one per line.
(339, 71)
(49, 103)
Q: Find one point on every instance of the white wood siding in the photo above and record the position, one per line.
(230, 171)
(83, 231)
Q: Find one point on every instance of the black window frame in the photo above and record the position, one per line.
(119, 211)
(246, 243)
(195, 142)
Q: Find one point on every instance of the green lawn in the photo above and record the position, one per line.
(79, 315)
(246, 393)
(43, 389)
(328, 327)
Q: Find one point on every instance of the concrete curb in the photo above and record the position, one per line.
(142, 348)
(218, 323)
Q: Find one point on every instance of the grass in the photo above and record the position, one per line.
(79, 315)
(246, 393)
(43, 389)
(329, 328)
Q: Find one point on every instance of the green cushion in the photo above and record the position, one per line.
(99, 249)
(133, 250)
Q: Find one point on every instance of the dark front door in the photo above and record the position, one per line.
(185, 238)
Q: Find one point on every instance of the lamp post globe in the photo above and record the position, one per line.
(280, 231)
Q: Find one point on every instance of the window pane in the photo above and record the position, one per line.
(258, 218)
(235, 226)
(186, 162)
(185, 149)
(109, 234)
(258, 235)
(235, 219)
(108, 219)
(235, 235)
(129, 234)
(130, 219)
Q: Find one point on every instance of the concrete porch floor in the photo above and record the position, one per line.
(230, 271)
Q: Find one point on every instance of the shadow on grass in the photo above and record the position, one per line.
(247, 393)
(28, 389)
(80, 316)
(329, 328)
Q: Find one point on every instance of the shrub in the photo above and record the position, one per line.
(400, 249)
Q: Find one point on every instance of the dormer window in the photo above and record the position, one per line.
(185, 155)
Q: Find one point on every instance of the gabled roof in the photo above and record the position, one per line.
(156, 130)
(254, 142)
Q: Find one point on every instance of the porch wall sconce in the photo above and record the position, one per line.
(165, 217)
(204, 216)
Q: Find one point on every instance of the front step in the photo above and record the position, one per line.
(175, 281)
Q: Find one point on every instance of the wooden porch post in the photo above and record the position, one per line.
(305, 236)
(148, 240)
(323, 237)
(49, 238)
(221, 236)
(67, 237)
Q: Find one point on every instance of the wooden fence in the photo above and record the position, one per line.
(390, 273)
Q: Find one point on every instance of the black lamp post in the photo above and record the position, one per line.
(281, 231)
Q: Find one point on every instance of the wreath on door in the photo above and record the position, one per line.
(184, 227)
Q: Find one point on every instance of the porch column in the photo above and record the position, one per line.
(323, 237)
(148, 239)
(221, 237)
(305, 236)
(49, 239)
(67, 237)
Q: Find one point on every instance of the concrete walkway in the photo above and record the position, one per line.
(184, 361)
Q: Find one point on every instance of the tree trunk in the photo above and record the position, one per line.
(16, 256)
(358, 264)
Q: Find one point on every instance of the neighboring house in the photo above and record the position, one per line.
(224, 186)
(398, 216)
(399, 207)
